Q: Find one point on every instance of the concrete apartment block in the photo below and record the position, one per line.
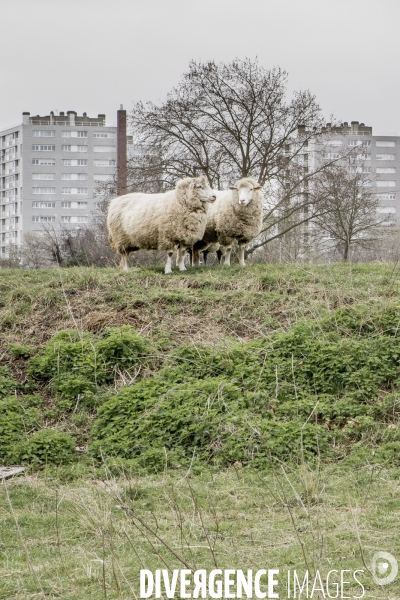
(381, 158)
(49, 169)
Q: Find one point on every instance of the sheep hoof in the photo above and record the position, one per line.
(182, 268)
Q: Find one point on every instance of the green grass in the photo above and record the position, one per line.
(56, 535)
(295, 363)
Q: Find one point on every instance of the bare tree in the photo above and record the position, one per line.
(230, 121)
(348, 206)
(63, 246)
(227, 121)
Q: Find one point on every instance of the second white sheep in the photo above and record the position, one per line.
(236, 215)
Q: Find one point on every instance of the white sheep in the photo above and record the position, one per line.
(236, 215)
(174, 219)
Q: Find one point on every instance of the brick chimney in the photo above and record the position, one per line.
(121, 152)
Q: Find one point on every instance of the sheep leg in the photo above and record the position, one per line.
(241, 255)
(196, 257)
(181, 256)
(124, 262)
(227, 255)
(168, 266)
(190, 252)
(178, 256)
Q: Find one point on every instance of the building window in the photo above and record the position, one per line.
(43, 219)
(65, 219)
(104, 163)
(49, 162)
(104, 148)
(386, 170)
(74, 176)
(354, 169)
(366, 156)
(386, 210)
(385, 157)
(335, 143)
(72, 204)
(70, 148)
(43, 176)
(79, 134)
(104, 134)
(74, 162)
(74, 190)
(43, 204)
(43, 133)
(82, 219)
(386, 183)
(386, 196)
(43, 190)
(44, 148)
(103, 177)
(359, 142)
(332, 155)
(385, 144)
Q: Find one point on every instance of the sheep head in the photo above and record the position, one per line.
(246, 188)
(196, 188)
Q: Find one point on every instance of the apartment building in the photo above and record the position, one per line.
(49, 169)
(380, 156)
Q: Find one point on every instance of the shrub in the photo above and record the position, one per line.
(209, 418)
(7, 384)
(14, 422)
(18, 351)
(288, 395)
(47, 447)
(76, 365)
(93, 357)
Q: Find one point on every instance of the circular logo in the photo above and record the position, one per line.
(384, 568)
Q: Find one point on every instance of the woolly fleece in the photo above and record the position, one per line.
(159, 221)
(227, 220)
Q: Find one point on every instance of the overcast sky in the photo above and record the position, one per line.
(93, 55)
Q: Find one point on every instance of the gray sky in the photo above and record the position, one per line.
(93, 55)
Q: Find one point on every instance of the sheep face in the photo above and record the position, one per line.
(196, 191)
(245, 189)
(202, 190)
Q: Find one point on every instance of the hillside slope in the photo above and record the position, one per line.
(215, 366)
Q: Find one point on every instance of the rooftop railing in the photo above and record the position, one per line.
(67, 123)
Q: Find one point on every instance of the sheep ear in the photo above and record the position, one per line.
(258, 187)
(232, 187)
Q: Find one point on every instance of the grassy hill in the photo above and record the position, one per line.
(231, 417)
(212, 367)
